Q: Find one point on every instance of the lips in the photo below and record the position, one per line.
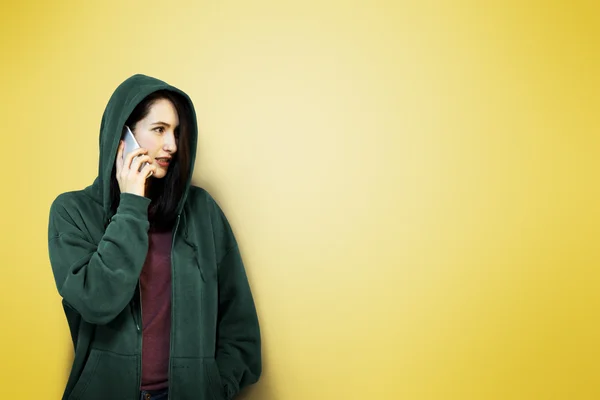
(163, 162)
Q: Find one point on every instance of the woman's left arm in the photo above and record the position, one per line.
(238, 352)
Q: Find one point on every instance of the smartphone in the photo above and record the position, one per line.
(130, 144)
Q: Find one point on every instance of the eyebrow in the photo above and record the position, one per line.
(161, 123)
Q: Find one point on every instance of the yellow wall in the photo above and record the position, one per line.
(414, 185)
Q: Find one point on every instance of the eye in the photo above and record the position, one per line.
(159, 129)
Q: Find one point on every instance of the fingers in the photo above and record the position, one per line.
(148, 170)
(119, 160)
(129, 157)
(129, 176)
(137, 162)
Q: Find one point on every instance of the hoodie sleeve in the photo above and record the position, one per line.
(238, 351)
(99, 280)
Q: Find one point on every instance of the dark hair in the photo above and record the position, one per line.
(166, 192)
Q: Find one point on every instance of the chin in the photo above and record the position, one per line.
(159, 174)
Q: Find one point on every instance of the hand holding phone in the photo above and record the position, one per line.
(132, 167)
(130, 144)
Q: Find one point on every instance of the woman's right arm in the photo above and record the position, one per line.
(98, 281)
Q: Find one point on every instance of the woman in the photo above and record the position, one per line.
(152, 283)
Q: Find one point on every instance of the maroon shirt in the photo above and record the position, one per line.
(155, 281)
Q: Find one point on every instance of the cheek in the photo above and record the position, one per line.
(150, 142)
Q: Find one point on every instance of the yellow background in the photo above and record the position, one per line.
(414, 185)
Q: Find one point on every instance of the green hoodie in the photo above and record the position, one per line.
(97, 258)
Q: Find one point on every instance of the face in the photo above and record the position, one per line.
(158, 133)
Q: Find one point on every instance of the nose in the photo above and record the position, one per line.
(170, 143)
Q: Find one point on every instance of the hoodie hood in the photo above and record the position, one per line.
(123, 101)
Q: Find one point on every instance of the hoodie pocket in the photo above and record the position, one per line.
(195, 378)
(208, 272)
(86, 375)
(214, 379)
(107, 375)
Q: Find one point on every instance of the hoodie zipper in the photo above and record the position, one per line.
(172, 306)
(140, 333)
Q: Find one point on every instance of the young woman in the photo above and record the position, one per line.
(152, 283)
